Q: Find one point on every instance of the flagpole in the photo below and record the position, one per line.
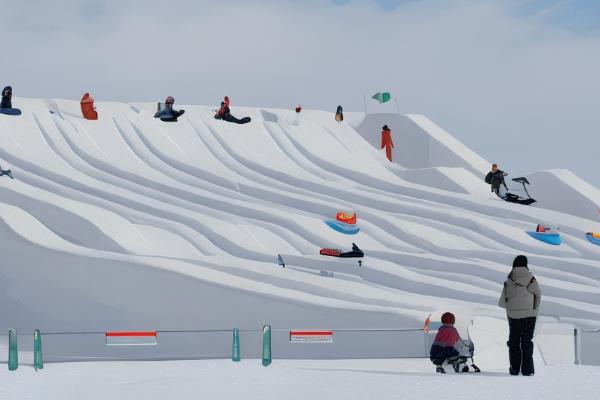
(397, 107)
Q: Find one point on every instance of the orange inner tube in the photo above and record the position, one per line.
(347, 218)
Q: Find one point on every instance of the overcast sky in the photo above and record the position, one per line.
(517, 81)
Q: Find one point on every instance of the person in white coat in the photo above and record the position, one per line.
(521, 297)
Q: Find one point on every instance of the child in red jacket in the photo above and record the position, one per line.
(448, 346)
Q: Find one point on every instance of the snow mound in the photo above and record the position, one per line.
(420, 143)
(563, 191)
(132, 223)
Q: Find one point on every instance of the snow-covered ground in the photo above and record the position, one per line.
(130, 223)
(290, 379)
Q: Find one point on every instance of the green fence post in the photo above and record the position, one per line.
(266, 350)
(38, 362)
(235, 352)
(13, 354)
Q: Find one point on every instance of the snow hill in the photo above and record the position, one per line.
(130, 223)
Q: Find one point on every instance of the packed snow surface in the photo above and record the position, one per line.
(290, 379)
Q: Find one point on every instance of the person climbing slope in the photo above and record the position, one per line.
(496, 178)
(167, 113)
(224, 113)
(87, 107)
(386, 141)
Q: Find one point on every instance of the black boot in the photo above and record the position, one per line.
(440, 369)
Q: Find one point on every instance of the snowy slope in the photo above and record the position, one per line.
(564, 191)
(132, 223)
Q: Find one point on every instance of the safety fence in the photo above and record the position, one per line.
(583, 343)
(236, 344)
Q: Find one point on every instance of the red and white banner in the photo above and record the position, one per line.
(131, 338)
(310, 336)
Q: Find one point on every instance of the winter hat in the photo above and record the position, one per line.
(448, 318)
(520, 261)
(385, 128)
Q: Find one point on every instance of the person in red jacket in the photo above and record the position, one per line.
(224, 113)
(87, 107)
(448, 346)
(386, 141)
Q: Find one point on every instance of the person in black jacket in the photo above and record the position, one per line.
(6, 97)
(496, 178)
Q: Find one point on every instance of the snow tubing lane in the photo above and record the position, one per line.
(342, 227)
(550, 238)
(592, 239)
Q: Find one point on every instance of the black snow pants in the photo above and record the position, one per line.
(230, 118)
(520, 346)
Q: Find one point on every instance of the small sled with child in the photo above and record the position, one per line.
(448, 347)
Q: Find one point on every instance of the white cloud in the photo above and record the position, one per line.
(513, 88)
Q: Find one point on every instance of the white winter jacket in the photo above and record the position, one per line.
(521, 295)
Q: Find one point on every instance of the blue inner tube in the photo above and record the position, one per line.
(10, 111)
(550, 238)
(592, 239)
(342, 227)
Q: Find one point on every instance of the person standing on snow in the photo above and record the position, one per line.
(386, 141)
(521, 297)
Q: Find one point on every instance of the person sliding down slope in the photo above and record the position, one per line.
(6, 172)
(339, 114)
(6, 97)
(224, 113)
(6, 103)
(167, 113)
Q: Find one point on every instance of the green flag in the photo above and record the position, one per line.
(382, 97)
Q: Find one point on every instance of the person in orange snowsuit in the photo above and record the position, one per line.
(386, 137)
(87, 107)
